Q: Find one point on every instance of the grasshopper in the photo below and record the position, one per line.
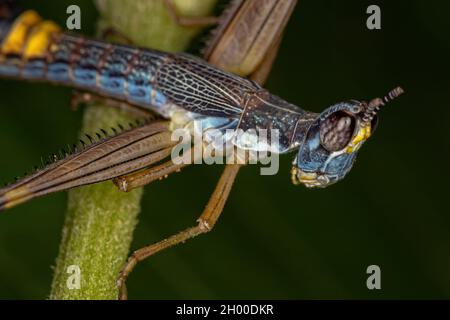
(224, 94)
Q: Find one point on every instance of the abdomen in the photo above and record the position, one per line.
(36, 50)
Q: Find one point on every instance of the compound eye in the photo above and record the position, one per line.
(337, 130)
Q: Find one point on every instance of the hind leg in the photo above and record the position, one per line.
(206, 222)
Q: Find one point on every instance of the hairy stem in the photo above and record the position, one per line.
(100, 220)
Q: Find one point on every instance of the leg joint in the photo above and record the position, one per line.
(204, 225)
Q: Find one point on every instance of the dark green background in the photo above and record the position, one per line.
(276, 240)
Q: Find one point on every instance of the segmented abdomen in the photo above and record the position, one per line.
(117, 71)
(36, 49)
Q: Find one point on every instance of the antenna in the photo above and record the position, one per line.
(375, 104)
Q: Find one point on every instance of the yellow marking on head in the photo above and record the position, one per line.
(308, 176)
(298, 176)
(39, 39)
(294, 177)
(17, 36)
(362, 135)
(16, 196)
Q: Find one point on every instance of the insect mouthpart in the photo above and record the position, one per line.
(310, 179)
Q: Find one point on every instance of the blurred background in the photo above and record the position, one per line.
(275, 240)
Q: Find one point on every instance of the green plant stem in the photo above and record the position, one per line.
(100, 220)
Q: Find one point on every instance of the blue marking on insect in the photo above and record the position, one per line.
(112, 84)
(34, 69)
(139, 92)
(139, 85)
(310, 161)
(9, 70)
(341, 164)
(58, 71)
(160, 99)
(85, 76)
